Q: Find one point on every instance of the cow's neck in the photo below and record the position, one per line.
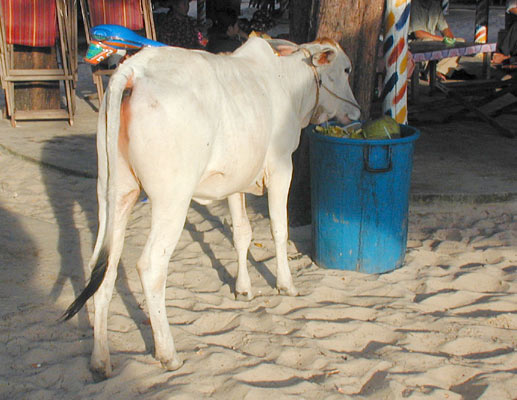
(303, 86)
(309, 102)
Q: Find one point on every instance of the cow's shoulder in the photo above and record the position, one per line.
(255, 48)
(167, 58)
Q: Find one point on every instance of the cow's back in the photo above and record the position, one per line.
(214, 113)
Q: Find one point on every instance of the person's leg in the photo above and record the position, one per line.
(447, 66)
(507, 44)
(450, 68)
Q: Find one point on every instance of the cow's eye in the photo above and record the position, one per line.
(347, 70)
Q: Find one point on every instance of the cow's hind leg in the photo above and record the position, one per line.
(168, 218)
(127, 194)
(278, 190)
(241, 240)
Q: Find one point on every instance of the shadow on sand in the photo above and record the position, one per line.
(67, 197)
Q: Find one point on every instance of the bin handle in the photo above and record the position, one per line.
(366, 157)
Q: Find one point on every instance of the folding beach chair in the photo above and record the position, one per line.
(42, 23)
(133, 14)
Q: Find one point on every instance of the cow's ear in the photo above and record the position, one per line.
(283, 50)
(323, 57)
(283, 47)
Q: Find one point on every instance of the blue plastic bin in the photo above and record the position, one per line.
(360, 201)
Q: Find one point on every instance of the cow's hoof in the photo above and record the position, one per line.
(172, 365)
(289, 291)
(100, 371)
(244, 296)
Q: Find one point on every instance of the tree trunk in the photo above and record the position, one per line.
(356, 26)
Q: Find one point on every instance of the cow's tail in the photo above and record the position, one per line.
(107, 150)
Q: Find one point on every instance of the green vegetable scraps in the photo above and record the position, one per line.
(381, 128)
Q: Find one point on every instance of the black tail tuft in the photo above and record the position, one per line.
(98, 273)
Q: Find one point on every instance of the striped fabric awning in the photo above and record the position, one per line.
(30, 22)
(127, 13)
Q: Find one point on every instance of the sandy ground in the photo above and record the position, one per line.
(444, 326)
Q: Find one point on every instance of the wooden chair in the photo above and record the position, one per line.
(133, 14)
(47, 23)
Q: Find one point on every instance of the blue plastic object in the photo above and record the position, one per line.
(121, 37)
(107, 40)
(360, 201)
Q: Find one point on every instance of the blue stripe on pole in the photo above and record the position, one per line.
(388, 44)
(403, 18)
(390, 84)
(445, 7)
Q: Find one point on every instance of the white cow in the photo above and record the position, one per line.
(184, 125)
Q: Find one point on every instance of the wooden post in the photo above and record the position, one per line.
(36, 95)
(302, 20)
(302, 29)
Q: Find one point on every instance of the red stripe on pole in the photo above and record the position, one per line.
(397, 50)
(400, 94)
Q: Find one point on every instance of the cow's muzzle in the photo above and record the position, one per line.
(352, 103)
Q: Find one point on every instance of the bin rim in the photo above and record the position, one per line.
(414, 135)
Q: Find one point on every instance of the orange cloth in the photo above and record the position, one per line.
(30, 22)
(127, 13)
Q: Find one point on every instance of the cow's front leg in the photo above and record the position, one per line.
(241, 241)
(278, 190)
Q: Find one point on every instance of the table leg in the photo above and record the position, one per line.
(432, 77)
(486, 65)
(472, 107)
(415, 85)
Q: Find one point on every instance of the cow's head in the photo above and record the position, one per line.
(331, 68)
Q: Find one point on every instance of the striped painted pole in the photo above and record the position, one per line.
(445, 7)
(481, 32)
(396, 23)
